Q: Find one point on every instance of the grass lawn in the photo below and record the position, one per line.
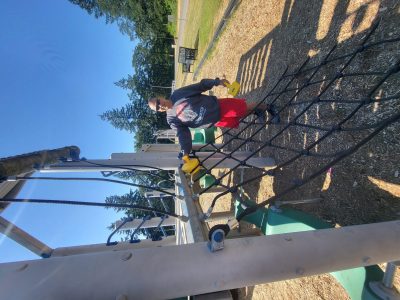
(171, 27)
(201, 20)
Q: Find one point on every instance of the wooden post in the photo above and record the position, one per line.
(15, 165)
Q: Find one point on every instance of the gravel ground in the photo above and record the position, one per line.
(260, 41)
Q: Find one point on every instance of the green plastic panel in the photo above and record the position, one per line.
(203, 136)
(207, 181)
(272, 221)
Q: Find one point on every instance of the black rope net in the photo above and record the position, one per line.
(329, 108)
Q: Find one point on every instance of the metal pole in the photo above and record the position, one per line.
(153, 222)
(161, 87)
(148, 160)
(220, 216)
(194, 228)
(176, 271)
(384, 289)
(176, 147)
(93, 248)
(390, 272)
(157, 194)
(155, 214)
(24, 239)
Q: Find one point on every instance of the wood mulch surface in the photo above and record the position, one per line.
(260, 41)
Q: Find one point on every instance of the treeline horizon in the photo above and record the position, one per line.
(146, 23)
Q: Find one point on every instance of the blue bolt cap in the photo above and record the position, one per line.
(218, 237)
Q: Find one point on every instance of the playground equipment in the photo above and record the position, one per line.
(280, 220)
(207, 181)
(191, 165)
(293, 93)
(203, 135)
(233, 88)
(294, 245)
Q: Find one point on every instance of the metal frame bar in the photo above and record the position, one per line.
(153, 222)
(170, 270)
(121, 246)
(24, 239)
(195, 230)
(140, 161)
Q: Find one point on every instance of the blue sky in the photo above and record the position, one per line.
(58, 67)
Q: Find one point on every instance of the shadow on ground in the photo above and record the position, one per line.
(364, 187)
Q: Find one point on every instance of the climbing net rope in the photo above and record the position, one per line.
(332, 98)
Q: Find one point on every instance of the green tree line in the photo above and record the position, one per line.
(146, 23)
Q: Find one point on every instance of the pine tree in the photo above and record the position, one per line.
(121, 118)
